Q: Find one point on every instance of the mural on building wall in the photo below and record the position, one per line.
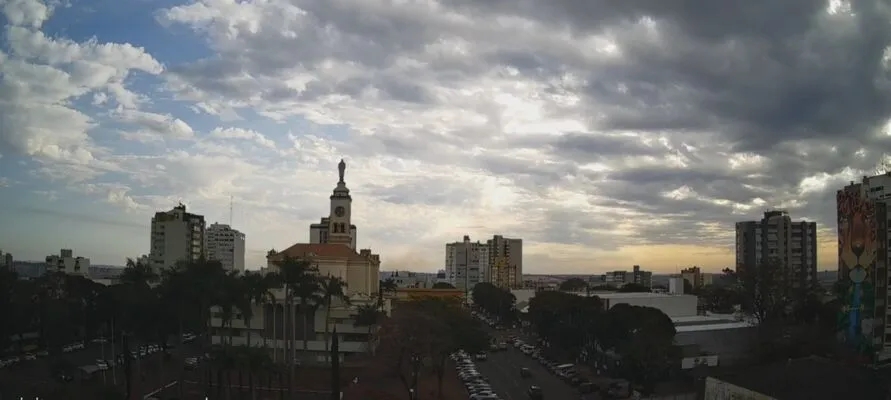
(856, 265)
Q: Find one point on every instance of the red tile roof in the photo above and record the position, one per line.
(308, 250)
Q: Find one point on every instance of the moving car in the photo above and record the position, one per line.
(525, 373)
(535, 393)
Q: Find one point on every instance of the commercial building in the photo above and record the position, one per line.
(226, 245)
(66, 262)
(503, 262)
(463, 262)
(176, 236)
(360, 270)
(863, 266)
(696, 277)
(635, 276)
(791, 245)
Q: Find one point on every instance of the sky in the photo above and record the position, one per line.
(603, 133)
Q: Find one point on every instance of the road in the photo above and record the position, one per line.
(35, 375)
(503, 371)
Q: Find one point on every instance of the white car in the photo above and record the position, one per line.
(100, 340)
(102, 365)
(30, 356)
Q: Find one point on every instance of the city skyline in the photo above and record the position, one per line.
(628, 135)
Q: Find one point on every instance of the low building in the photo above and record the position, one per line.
(621, 278)
(409, 279)
(67, 263)
(714, 340)
(673, 305)
(811, 378)
(420, 293)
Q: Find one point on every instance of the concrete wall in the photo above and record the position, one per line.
(671, 305)
(731, 345)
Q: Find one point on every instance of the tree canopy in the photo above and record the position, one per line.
(573, 285)
(494, 300)
(443, 285)
(642, 336)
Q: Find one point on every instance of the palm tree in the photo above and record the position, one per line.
(293, 274)
(387, 285)
(369, 316)
(255, 290)
(332, 288)
(138, 273)
(309, 293)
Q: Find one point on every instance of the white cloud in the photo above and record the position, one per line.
(580, 129)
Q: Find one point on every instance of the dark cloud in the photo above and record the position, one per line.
(735, 102)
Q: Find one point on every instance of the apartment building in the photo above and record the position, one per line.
(778, 239)
(226, 245)
(863, 259)
(66, 262)
(176, 235)
(505, 262)
(463, 263)
(622, 278)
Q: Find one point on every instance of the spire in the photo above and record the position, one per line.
(341, 169)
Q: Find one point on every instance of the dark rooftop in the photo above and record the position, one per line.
(811, 378)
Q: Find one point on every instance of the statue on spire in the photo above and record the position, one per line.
(341, 169)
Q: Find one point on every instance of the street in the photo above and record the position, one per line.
(503, 371)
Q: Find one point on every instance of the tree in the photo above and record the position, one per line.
(332, 289)
(573, 285)
(644, 338)
(369, 316)
(429, 329)
(495, 301)
(443, 285)
(385, 286)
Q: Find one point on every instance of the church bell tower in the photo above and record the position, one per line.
(339, 225)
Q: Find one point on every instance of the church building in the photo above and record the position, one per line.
(332, 249)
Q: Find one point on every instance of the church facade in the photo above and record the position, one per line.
(332, 250)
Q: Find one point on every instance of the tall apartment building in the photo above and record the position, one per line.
(778, 239)
(176, 236)
(863, 259)
(505, 262)
(693, 275)
(226, 245)
(462, 263)
(6, 260)
(66, 262)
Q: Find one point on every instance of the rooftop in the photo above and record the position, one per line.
(812, 378)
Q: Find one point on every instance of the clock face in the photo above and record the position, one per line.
(339, 211)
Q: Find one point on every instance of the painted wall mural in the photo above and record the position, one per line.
(857, 248)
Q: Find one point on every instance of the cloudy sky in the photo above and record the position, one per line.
(604, 133)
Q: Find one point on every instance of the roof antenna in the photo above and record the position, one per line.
(230, 210)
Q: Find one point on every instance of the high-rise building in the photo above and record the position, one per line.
(226, 245)
(462, 263)
(176, 236)
(66, 262)
(505, 262)
(694, 276)
(776, 239)
(863, 260)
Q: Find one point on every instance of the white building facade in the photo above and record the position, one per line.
(226, 245)
(176, 236)
(463, 263)
(67, 263)
(504, 262)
